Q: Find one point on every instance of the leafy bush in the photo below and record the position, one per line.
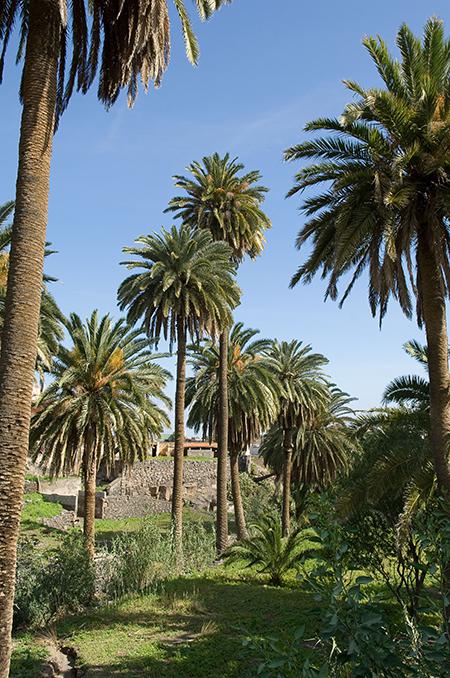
(137, 561)
(258, 498)
(52, 583)
(268, 549)
(358, 638)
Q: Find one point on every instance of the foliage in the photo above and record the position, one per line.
(270, 551)
(186, 275)
(301, 380)
(258, 498)
(136, 562)
(108, 52)
(102, 400)
(50, 584)
(219, 199)
(252, 390)
(323, 444)
(384, 174)
(357, 637)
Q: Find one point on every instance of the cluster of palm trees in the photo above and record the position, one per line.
(385, 168)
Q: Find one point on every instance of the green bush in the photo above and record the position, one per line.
(272, 553)
(258, 498)
(52, 583)
(136, 562)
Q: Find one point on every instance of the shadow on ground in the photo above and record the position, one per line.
(193, 629)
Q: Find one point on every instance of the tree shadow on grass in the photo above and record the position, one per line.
(194, 628)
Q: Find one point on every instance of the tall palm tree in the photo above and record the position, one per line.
(101, 405)
(252, 393)
(120, 40)
(385, 204)
(303, 389)
(218, 197)
(50, 320)
(323, 445)
(186, 287)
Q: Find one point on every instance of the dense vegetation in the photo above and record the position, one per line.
(335, 560)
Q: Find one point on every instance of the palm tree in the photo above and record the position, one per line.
(120, 41)
(101, 404)
(252, 394)
(219, 198)
(302, 390)
(410, 390)
(186, 287)
(50, 320)
(385, 205)
(273, 552)
(322, 446)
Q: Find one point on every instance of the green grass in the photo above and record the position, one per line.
(194, 628)
(35, 508)
(106, 528)
(27, 657)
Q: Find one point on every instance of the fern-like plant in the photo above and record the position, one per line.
(270, 551)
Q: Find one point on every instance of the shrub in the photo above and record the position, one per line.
(137, 561)
(270, 551)
(52, 583)
(258, 498)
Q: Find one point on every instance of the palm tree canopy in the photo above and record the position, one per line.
(185, 275)
(323, 445)
(386, 169)
(120, 40)
(252, 389)
(220, 198)
(410, 390)
(301, 380)
(106, 387)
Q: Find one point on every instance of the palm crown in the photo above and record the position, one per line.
(299, 374)
(323, 445)
(252, 389)
(386, 164)
(103, 401)
(122, 40)
(224, 201)
(186, 275)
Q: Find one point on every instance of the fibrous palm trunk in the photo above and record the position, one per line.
(222, 448)
(177, 493)
(287, 473)
(20, 332)
(434, 315)
(239, 515)
(90, 484)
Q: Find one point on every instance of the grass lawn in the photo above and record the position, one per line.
(194, 628)
(27, 657)
(34, 509)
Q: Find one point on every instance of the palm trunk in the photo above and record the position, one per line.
(90, 484)
(222, 451)
(239, 515)
(20, 332)
(287, 472)
(177, 494)
(434, 315)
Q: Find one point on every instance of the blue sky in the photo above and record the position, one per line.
(266, 68)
